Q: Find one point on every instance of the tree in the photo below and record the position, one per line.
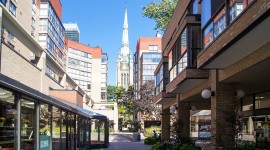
(118, 94)
(161, 12)
(110, 92)
(145, 103)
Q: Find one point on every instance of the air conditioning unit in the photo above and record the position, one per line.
(32, 56)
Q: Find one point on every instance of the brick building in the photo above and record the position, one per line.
(38, 97)
(218, 50)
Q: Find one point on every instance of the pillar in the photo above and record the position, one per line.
(115, 117)
(222, 112)
(183, 118)
(165, 124)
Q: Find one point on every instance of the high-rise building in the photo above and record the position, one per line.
(72, 31)
(52, 33)
(124, 69)
(87, 66)
(147, 57)
(104, 76)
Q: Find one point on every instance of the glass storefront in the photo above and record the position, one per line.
(255, 128)
(8, 117)
(43, 126)
(56, 128)
(27, 124)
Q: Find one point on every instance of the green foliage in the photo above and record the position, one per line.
(148, 131)
(188, 147)
(161, 12)
(150, 141)
(159, 146)
(2, 119)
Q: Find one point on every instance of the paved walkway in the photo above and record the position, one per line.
(118, 141)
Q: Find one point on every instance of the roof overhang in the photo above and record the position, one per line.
(164, 97)
(254, 37)
(186, 80)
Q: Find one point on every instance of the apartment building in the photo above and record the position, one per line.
(221, 67)
(34, 84)
(72, 31)
(88, 68)
(147, 57)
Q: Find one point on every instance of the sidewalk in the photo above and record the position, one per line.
(123, 141)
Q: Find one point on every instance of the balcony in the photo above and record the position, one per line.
(162, 79)
(186, 80)
(243, 35)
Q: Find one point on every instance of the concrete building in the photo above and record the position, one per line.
(124, 68)
(37, 97)
(88, 68)
(104, 76)
(222, 67)
(147, 57)
(72, 31)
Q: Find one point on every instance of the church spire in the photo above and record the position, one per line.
(125, 42)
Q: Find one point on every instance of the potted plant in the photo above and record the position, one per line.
(26, 122)
(2, 120)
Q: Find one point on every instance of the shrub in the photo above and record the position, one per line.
(159, 146)
(188, 147)
(150, 141)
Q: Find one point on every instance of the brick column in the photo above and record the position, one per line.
(222, 112)
(165, 124)
(183, 117)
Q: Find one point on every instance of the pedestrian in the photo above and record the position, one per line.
(154, 134)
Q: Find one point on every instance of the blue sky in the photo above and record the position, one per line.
(101, 24)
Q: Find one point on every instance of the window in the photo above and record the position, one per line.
(27, 124)
(45, 128)
(10, 36)
(206, 11)
(219, 22)
(4, 2)
(8, 119)
(236, 7)
(153, 47)
(12, 8)
(52, 74)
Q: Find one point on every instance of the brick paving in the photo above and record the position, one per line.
(119, 141)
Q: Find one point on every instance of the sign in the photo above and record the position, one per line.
(44, 142)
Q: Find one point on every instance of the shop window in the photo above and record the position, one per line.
(8, 115)
(71, 131)
(262, 100)
(45, 129)
(94, 131)
(27, 124)
(102, 132)
(56, 128)
(247, 103)
(64, 130)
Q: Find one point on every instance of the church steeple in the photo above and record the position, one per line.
(124, 70)
(125, 41)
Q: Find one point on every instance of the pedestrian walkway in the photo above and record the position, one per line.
(121, 141)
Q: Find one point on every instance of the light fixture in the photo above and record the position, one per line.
(172, 109)
(206, 93)
(158, 114)
(240, 93)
